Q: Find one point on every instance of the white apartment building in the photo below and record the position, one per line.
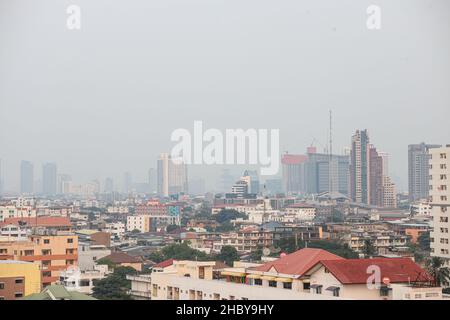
(307, 274)
(116, 229)
(422, 208)
(13, 231)
(301, 212)
(75, 279)
(141, 223)
(16, 212)
(440, 201)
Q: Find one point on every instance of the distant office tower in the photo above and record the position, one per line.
(293, 172)
(49, 179)
(317, 173)
(63, 179)
(251, 176)
(439, 190)
(152, 180)
(127, 182)
(376, 177)
(359, 168)
(418, 166)
(172, 176)
(109, 185)
(240, 189)
(26, 177)
(389, 193)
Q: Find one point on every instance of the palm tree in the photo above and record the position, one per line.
(436, 269)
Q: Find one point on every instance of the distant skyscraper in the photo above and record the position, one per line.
(49, 178)
(172, 176)
(293, 172)
(127, 182)
(418, 168)
(317, 173)
(109, 185)
(376, 177)
(63, 180)
(253, 180)
(359, 168)
(26, 177)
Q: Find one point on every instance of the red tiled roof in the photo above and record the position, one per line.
(121, 257)
(398, 270)
(293, 158)
(164, 264)
(298, 262)
(42, 221)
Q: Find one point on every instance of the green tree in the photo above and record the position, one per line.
(109, 263)
(115, 286)
(226, 215)
(368, 248)
(228, 254)
(439, 273)
(424, 241)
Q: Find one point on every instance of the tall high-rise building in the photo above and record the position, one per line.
(252, 178)
(376, 177)
(293, 172)
(49, 178)
(109, 185)
(418, 158)
(318, 175)
(172, 175)
(26, 177)
(359, 167)
(439, 197)
(127, 182)
(63, 180)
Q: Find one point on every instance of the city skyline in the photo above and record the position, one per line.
(123, 105)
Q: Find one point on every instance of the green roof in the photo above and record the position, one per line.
(58, 292)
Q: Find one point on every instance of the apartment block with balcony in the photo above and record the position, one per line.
(440, 202)
(52, 252)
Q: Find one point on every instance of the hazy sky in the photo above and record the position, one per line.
(104, 99)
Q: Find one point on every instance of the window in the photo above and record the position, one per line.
(46, 241)
(258, 282)
(19, 281)
(272, 284)
(443, 156)
(18, 294)
(336, 292)
(2, 285)
(70, 240)
(287, 285)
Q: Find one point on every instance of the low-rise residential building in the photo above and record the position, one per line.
(18, 279)
(75, 279)
(53, 252)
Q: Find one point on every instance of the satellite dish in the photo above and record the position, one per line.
(266, 251)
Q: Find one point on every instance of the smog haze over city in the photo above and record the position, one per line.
(103, 100)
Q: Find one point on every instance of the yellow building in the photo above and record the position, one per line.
(53, 253)
(18, 279)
